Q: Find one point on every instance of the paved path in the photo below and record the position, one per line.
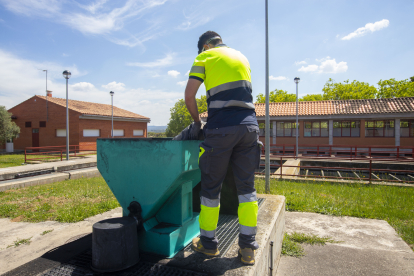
(369, 247)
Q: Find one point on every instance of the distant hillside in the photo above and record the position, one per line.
(157, 128)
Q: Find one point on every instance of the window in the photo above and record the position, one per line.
(316, 129)
(60, 132)
(42, 124)
(28, 124)
(346, 128)
(138, 132)
(407, 128)
(262, 129)
(286, 129)
(91, 133)
(383, 128)
(118, 132)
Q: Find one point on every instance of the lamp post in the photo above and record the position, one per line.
(112, 104)
(47, 111)
(66, 74)
(267, 122)
(297, 80)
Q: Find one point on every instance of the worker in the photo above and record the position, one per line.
(231, 136)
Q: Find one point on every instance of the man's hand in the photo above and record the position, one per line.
(195, 130)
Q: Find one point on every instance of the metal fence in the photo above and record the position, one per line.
(360, 169)
(53, 153)
(343, 151)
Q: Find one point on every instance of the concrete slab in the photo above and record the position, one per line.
(369, 247)
(13, 257)
(59, 166)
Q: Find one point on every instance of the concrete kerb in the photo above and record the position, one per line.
(59, 166)
(48, 179)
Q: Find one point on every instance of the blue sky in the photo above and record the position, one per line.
(144, 49)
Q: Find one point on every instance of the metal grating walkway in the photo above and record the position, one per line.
(227, 231)
(80, 266)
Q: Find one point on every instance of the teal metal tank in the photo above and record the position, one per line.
(160, 175)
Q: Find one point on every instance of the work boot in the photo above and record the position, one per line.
(247, 255)
(198, 246)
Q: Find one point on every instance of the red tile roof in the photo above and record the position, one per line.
(88, 108)
(341, 107)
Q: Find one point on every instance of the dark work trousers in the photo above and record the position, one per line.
(240, 146)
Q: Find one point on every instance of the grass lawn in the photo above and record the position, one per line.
(11, 160)
(392, 204)
(65, 201)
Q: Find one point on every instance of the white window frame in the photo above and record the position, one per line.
(135, 131)
(119, 133)
(59, 132)
(91, 133)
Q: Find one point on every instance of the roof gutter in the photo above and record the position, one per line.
(108, 118)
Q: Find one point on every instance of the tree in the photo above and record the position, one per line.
(276, 97)
(412, 79)
(181, 118)
(311, 97)
(8, 129)
(348, 91)
(392, 88)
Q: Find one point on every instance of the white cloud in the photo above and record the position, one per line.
(369, 28)
(327, 65)
(188, 73)
(167, 60)
(114, 86)
(153, 103)
(309, 68)
(173, 73)
(182, 83)
(277, 78)
(330, 66)
(98, 18)
(300, 62)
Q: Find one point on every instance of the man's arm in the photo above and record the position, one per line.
(190, 98)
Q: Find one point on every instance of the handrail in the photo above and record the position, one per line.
(409, 173)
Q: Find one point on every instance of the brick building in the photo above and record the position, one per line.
(43, 123)
(344, 122)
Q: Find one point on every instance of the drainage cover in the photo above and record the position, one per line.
(227, 231)
(80, 266)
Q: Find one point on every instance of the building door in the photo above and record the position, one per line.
(35, 137)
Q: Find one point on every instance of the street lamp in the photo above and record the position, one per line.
(66, 74)
(267, 121)
(112, 104)
(297, 80)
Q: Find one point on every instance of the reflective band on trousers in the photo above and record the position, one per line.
(208, 234)
(202, 150)
(210, 202)
(221, 104)
(230, 85)
(247, 230)
(248, 213)
(198, 69)
(209, 217)
(247, 197)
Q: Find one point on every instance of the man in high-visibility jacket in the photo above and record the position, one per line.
(231, 136)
